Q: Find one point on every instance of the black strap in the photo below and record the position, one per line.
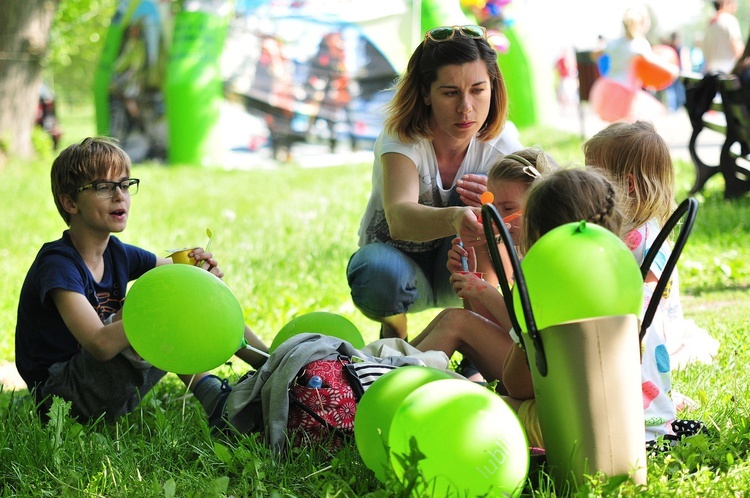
(490, 215)
(687, 208)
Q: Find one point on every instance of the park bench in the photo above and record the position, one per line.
(718, 102)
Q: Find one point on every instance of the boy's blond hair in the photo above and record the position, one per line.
(94, 158)
(637, 158)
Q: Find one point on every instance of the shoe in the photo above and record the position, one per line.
(468, 370)
(217, 419)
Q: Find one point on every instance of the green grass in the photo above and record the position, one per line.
(283, 238)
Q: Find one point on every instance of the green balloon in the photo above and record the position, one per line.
(472, 441)
(320, 322)
(372, 420)
(578, 271)
(183, 319)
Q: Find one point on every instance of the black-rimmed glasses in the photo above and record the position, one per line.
(105, 189)
(445, 33)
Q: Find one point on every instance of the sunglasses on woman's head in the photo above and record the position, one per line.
(445, 33)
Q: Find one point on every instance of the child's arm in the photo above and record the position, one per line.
(517, 376)
(460, 257)
(483, 297)
(249, 356)
(103, 342)
(163, 261)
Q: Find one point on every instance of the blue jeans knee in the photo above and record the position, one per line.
(382, 279)
(386, 281)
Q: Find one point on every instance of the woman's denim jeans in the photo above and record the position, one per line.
(386, 281)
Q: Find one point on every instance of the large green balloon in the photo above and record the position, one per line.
(578, 271)
(472, 441)
(372, 421)
(183, 319)
(320, 322)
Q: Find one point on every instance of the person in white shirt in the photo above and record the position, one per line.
(445, 127)
(722, 44)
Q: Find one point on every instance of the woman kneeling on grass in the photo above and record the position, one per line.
(446, 126)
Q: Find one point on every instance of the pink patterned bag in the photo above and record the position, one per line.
(322, 404)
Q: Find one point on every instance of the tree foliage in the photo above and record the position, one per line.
(76, 40)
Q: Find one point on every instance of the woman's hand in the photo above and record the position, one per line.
(203, 258)
(470, 188)
(468, 227)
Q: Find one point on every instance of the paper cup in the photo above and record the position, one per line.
(181, 256)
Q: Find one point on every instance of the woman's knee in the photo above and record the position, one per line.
(382, 280)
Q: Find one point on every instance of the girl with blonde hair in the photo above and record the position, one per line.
(638, 160)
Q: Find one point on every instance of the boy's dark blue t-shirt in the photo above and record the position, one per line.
(42, 338)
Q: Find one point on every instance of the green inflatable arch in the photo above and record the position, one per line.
(193, 84)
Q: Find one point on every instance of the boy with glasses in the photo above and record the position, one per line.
(70, 340)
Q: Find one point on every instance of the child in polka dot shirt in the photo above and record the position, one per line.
(638, 160)
(656, 372)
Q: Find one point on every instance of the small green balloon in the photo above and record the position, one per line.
(472, 441)
(183, 319)
(320, 322)
(372, 420)
(577, 271)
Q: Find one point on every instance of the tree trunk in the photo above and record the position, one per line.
(24, 38)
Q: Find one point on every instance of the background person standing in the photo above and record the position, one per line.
(723, 43)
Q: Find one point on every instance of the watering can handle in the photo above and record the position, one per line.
(687, 208)
(490, 216)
